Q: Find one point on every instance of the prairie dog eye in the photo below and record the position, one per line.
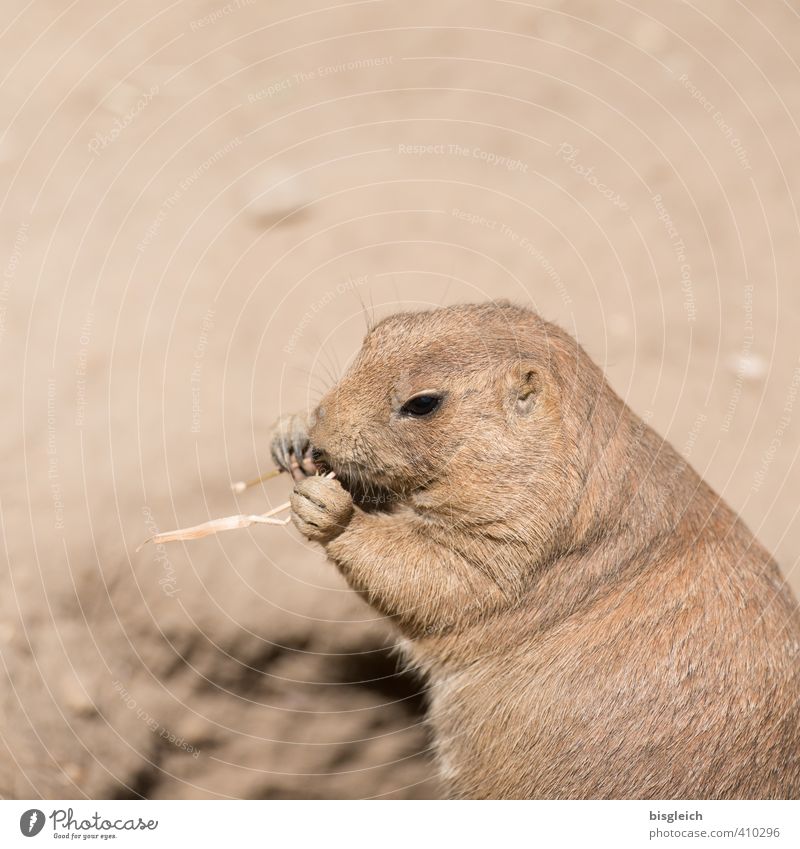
(422, 404)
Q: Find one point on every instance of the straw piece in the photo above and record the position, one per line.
(241, 486)
(229, 523)
(215, 526)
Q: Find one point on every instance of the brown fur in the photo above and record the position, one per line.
(594, 621)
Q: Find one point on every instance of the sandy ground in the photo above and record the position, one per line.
(199, 202)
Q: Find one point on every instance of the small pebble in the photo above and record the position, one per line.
(272, 194)
(748, 366)
(122, 99)
(74, 772)
(76, 698)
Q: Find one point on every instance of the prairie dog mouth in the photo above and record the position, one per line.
(358, 480)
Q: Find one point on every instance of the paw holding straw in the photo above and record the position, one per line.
(229, 523)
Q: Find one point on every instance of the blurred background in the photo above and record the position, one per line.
(201, 200)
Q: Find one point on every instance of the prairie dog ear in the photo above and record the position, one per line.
(524, 384)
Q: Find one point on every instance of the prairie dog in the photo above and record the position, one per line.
(593, 620)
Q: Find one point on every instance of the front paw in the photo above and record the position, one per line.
(321, 508)
(290, 447)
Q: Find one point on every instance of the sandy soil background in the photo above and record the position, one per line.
(199, 201)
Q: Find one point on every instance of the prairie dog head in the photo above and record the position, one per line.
(458, 410)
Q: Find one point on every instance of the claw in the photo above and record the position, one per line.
(299, 449)
(289, 441)
(279, 455)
